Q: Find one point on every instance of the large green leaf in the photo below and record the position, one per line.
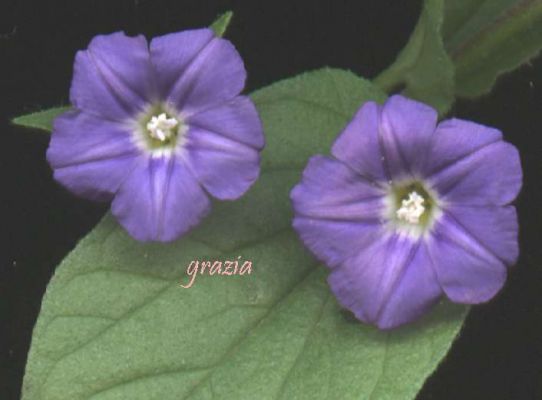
(486, 38)
(115, 323)
(423, 66)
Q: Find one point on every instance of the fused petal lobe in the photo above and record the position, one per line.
(467, 270)
(455, 139)
(337, 211)
(236, 119)
(329, 189)
(89, 155)
(226, 168)
(206, 74)
(160, 200)
(489, 176)
(359, 144)
(406, 129)
(113, 78)
(414, 292)
(496, 228)
(173, 53)
(334, 241)
(387, 284)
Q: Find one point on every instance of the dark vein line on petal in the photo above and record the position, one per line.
(371, 181)
(468, 248)
(191, 83)
(164, 196)
(173, 84)
(460, 159)
(396, 143)
(372, 202)
(433, 265)
(368, 221)
(402, 273)
(122, 80)
(235, 148)
(112, 90)
(222, 134)
(109, 157)
(381, 148)
(473, 237)
(94, 114)
(149, 170)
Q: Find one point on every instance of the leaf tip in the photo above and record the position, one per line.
(42, 120)
(221, 23)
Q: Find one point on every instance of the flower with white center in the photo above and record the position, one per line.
(407, 210)
(156, 128)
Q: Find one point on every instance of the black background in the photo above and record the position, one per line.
(499, 354)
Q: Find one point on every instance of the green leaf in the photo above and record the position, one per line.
(486, 38)
(41, 119)
(115, 323)
(423, 66)
(221, 23)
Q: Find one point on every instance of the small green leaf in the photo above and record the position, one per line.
(115, 323)
(487, 38)
(41, 119)
(221, 23)
(423, 66)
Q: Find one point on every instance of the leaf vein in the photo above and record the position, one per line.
(304, 346)
(235, 347)
(383, 369)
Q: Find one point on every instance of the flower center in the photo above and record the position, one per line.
(162, 127)
(160, 130)
(411, 208)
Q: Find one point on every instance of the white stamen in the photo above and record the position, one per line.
(411, 208)
(162, 127)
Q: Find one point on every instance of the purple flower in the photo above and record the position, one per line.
(156, 128)
(408, 210)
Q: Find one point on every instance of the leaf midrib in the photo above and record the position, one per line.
(459, 49)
